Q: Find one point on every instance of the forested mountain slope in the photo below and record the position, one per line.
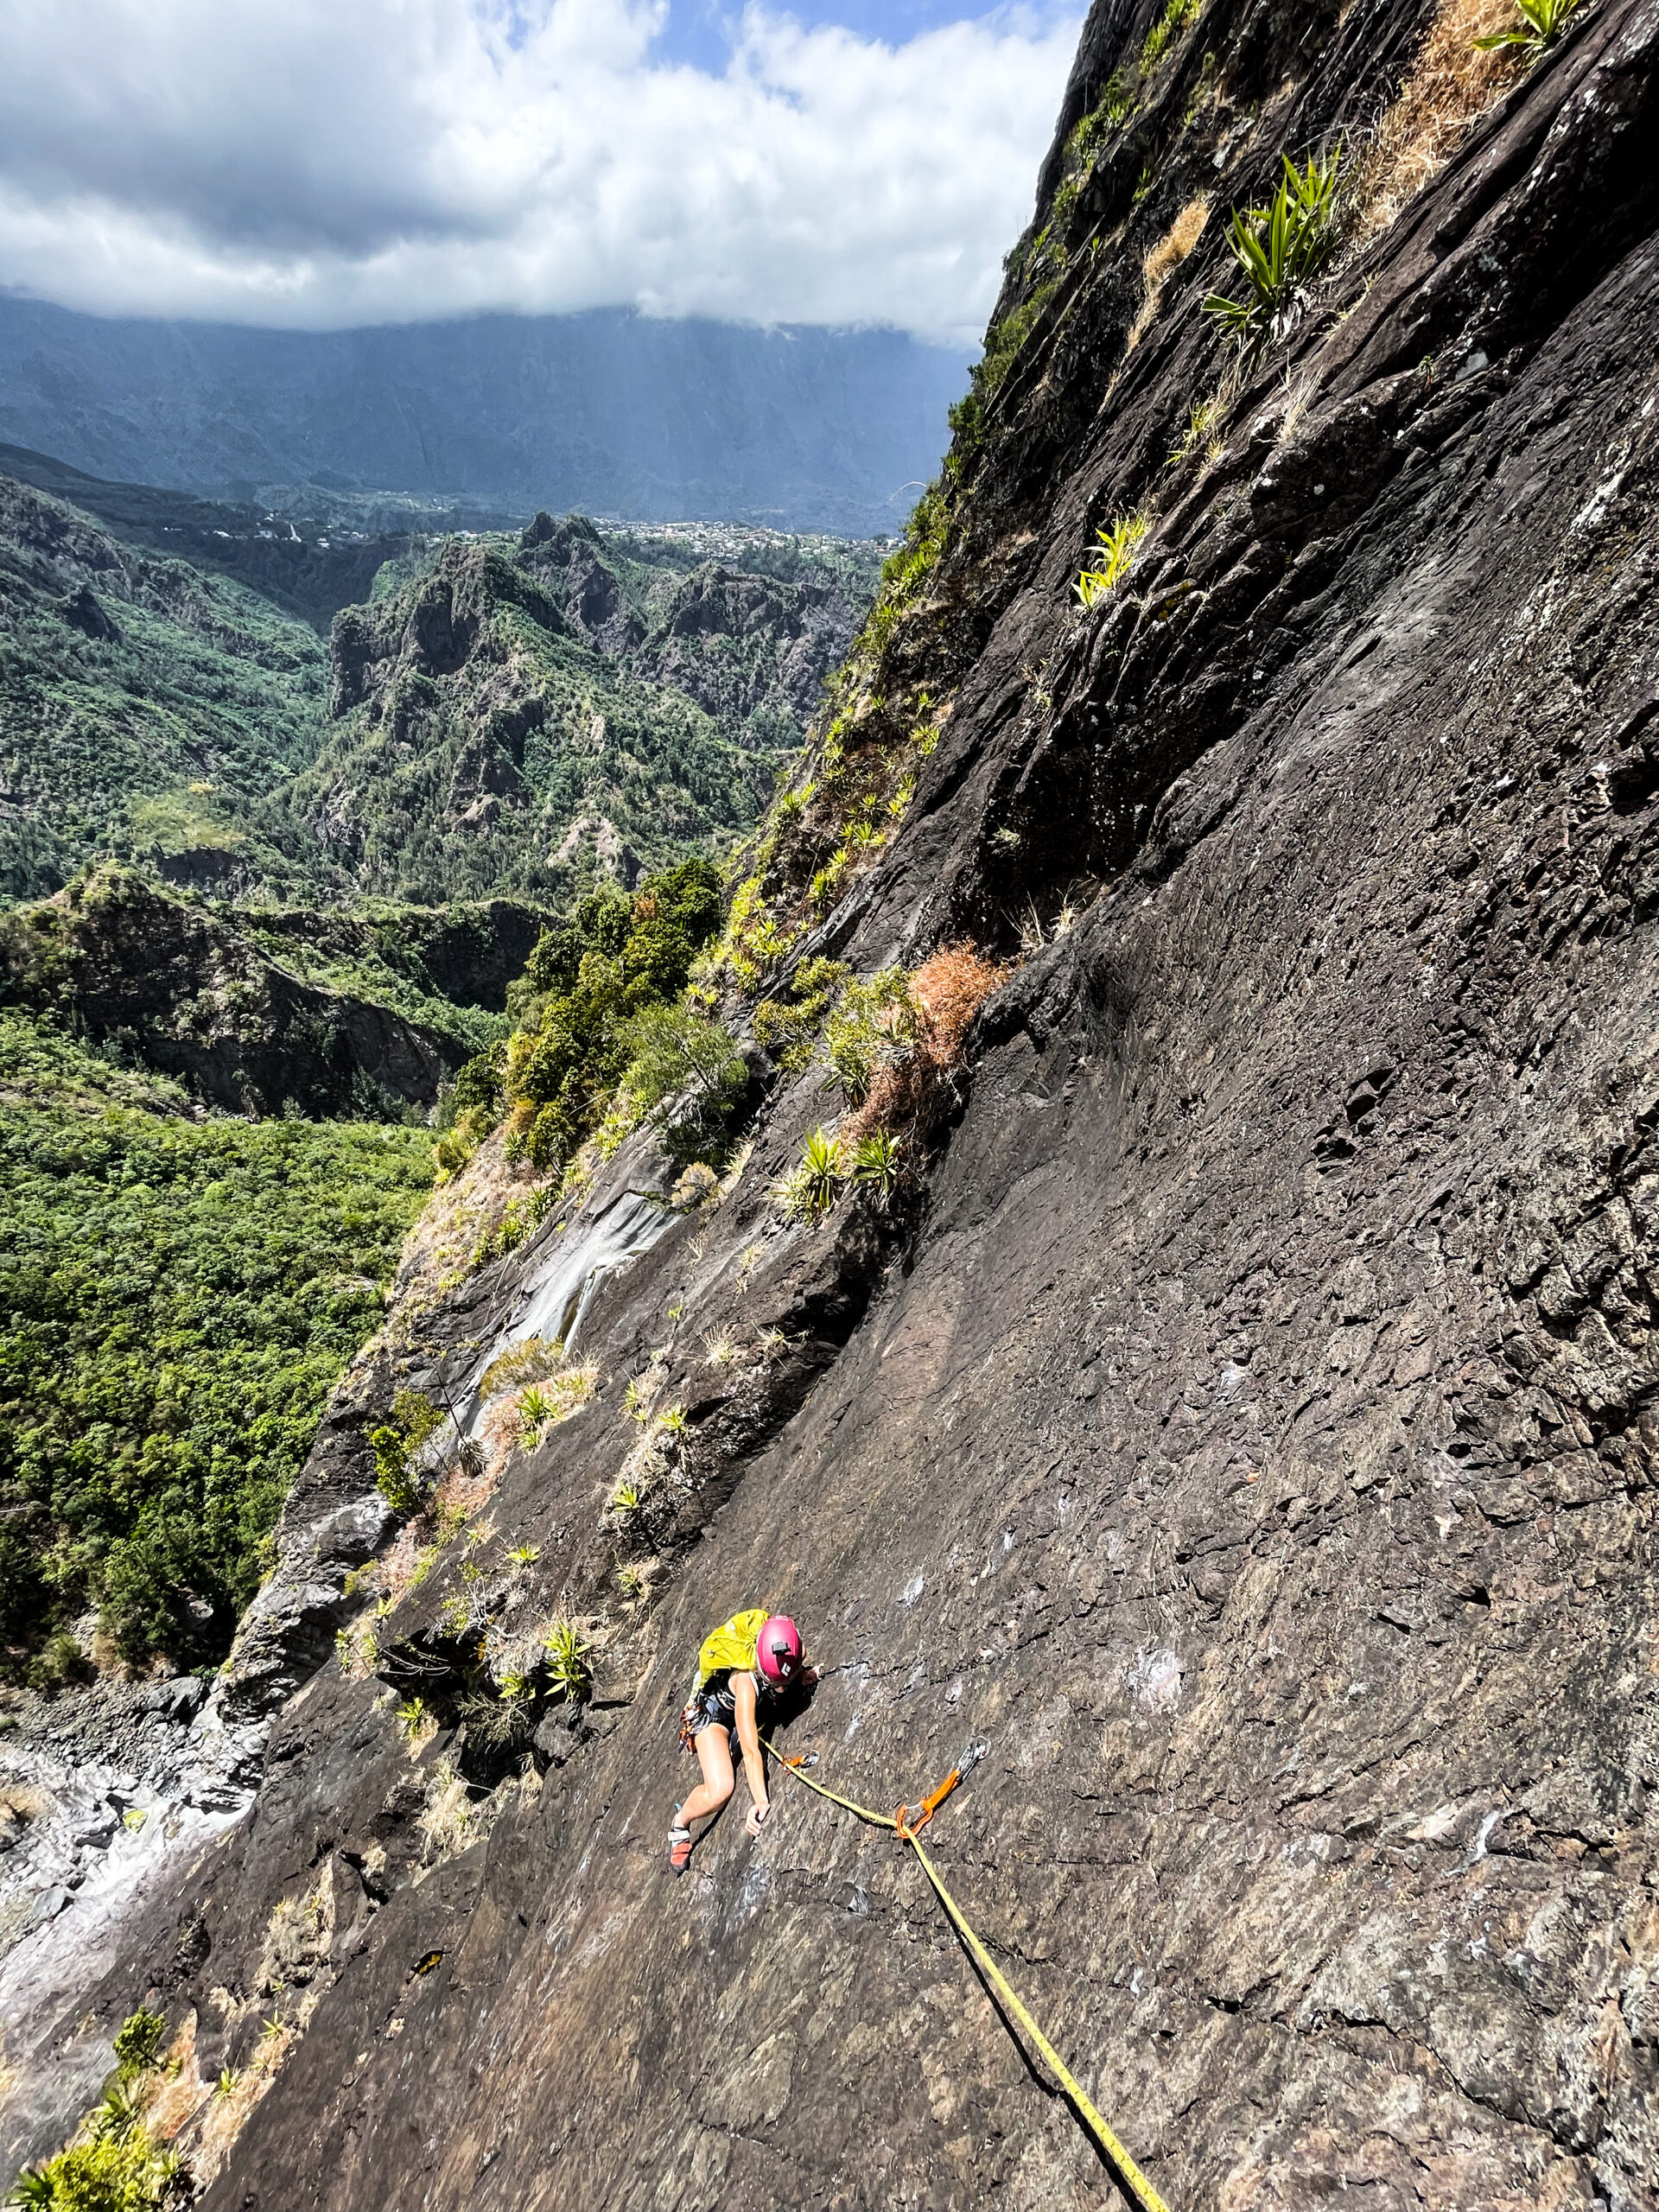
(181, 1290)
(501, 714)
(146, 709)
(1172, 1301)
(308, 559)
(519, 712)
(269, 1011)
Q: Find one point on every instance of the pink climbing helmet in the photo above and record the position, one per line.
(778, 1650)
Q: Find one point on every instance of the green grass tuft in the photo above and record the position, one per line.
(1280, 249)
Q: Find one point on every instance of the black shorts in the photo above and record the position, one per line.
(713, 1707)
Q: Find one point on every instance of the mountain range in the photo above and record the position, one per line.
(611, 411)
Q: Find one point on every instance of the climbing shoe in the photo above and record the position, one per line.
(679, 1849)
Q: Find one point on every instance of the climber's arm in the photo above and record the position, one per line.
(748, 1736)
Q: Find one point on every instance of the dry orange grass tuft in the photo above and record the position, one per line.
(1450, 86)
(195, 2116)
(1165, 258)
(1177, 242)
(463, 1492)
(180, 2094)
(24, 1801)
(501, 1432)
(948, 990)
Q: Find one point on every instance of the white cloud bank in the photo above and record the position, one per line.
(325, 163)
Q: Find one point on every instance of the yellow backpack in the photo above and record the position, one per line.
(731, 1646)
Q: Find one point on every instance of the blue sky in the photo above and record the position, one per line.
(699, 31)
(326, 163)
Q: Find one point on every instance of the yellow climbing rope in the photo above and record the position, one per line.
(905, 1827)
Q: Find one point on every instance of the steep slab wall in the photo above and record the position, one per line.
(1251, 1438)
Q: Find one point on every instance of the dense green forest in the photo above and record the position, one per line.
(182, 1290)
(180, 1295)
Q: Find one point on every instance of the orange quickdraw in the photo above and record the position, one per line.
(907, 1829)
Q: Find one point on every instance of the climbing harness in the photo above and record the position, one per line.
(907, 1826)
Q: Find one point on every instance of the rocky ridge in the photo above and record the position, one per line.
(218, 998)
(742, 644)
(489, 693)
(1247, 1429)
(299, 560)
(515, 695)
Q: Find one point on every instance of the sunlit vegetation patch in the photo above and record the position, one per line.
(116, 2161)
(894, 1044)
(592, 1006)
(600, 1002)
(1279, 249)
(787, 1024)
(397, 1445)
(180, 1295)
(1119, 543)
(1536, 27)
(823, 836)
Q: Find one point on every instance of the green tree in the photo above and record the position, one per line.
(587, 982)
(686, 1072)
(177, 1299)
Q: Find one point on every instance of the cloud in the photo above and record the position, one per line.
(326, 163)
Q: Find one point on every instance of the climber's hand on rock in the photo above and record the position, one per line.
(757, 1814)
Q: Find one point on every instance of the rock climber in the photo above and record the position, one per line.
(749, 1669)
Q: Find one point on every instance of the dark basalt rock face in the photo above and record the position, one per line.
(431, 627)
(83, 611)
(569, 555)
(1252, 1435)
